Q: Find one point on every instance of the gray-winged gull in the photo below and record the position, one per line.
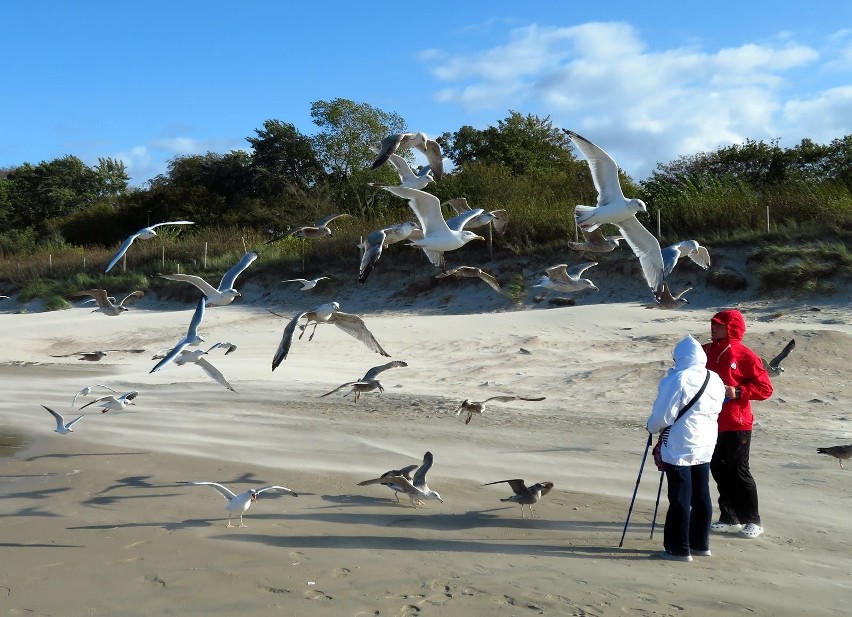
(146, 233)
(242, 502)
(525, 495)
(223, 294)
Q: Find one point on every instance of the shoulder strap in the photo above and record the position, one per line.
(694, 398)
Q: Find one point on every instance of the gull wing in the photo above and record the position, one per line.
(98, 295)
(458, 222)
(60, 421)
(603, 167)
(646, 248)
(340, 387)
(222, 490)
(325, 221)
(459, 204)
(432, 150)
(373, 246)
(132, 295)
(230, 347)
(405, 472)
(387, 147)
(517, 484)
(500, 221)
(420, 474)
(401, 482)
(122, 250)
(213, 372)
(171, 223)
(354, 326)
(191, 334)
(206, 288)
(426, 207)
(701, 256)
(109, 398)
(576, 271)
(74, 421)
(671, 255)
(231, 275)
(283, 489)
(545, 487)
(371, 374)
(776, 361)
(286, 341)
(406, 174)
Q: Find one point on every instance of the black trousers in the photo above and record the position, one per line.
(737, 489)
(690, 509)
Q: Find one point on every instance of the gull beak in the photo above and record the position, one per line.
(254, 496)
(477, 237)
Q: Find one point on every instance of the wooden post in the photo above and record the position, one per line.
(659, 235)
(124, 262)
(490, 240)
(50, 262)
(767, 218)
(163, 259)
(205, 254)
(84, 263)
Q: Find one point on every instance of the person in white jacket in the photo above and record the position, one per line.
(687, 447)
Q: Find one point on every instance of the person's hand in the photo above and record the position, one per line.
(731, 392)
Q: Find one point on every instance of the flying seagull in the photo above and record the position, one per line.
(106, 304)
(596, 242)
(407, 176)
(95, 356)
(225, 293)
(196, 356)
(146, 233)
(665, 299)
(525, 495)
(85, 392)
(61, 427)
(686, 248)
(113, 403)
(377, 241)
(613, 207)
(566, 280)
(774, 366)
(403, 141)
(306, 284)
(405, 472)
(368, 382)
(417, 489)
(472, 272)
(438, 236)
(242, 502)
(326, 313)
(498, 218)
(841, 453)
(311, 232)
(192, 337)
(472, 407)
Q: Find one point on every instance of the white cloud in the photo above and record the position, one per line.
(143, 162)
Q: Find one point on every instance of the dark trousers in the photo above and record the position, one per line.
(690, 509)
(737, 489)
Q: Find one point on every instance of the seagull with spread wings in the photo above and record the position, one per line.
(62, 427)
(192, 337)
(472, 407)
(307, 284)
(405, 472)
(417, 489)
(687, 248)
(566, 280)
(774, 365)
(111, 402)
(472, 272)
(377, 241)
(106, 303)
(85, 392)
(407, 176)
(595, 242)
(225, 293)
(368, 382)
(404, 141)
(525, 495)
(498, 218)
(311, 232)
(242, 502)
(146, 233)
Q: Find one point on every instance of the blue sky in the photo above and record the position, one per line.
(647, 81)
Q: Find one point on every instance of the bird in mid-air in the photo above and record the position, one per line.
(472, 407)
(773, 367)
(368, 382)
(62, 427)
(106, 303)
(225, 293)
(403, 141)
(146, 233)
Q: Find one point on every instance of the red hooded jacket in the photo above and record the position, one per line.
(737, 365)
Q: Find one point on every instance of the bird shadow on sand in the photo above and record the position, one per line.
(19, 545)
(80, 454)
(32, 511)
(167, 525)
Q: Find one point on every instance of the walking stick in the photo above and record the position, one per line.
(657, 505)
(635, 490)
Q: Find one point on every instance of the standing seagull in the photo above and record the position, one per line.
(405, 472)
(596, 242)
(774, 366)
(564, 279)
(306, 284)
(311, 232)
(326, 313)
(841, 453)
(377, 241)
(689, 248)
(417, 489)
(242, 502)
(613, 207)
(146, 233)
(106, 304)
(472, 407)
(61, 427)
(192, 337)
(438, 236)
(225, 293)
(368, 382)
(110, 402)
(525, 495)
(403, 141)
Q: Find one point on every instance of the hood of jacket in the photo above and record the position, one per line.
(733, 321)
(687, 353)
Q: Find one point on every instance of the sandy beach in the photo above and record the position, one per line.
(98, 523)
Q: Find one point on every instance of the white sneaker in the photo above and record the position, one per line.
(751, 531)
(720, 527)
(706, 553)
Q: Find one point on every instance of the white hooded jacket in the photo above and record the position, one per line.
(691, 439)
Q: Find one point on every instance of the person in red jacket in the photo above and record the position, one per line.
(745, 380)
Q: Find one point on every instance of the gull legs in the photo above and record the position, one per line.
(241, 521)
(532, 514)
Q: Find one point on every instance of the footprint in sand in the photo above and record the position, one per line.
(409, 610)
(338, 572)
(316, 594)
(299, 556)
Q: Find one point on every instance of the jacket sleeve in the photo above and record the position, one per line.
(666, 405)
(756, 385)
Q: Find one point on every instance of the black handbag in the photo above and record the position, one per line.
(657, 451)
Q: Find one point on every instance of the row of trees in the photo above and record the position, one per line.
(287, 178)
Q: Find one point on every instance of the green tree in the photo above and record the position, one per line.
(284, 161)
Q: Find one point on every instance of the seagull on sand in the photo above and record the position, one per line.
(841, 453)
(417, 489)
(525, 495)
(499, 218)
(106, 303)
(407, 176)
(61, 427)
(306, 283)
(774, 365)
(311, 232)
(377, 241)
(326, 313)
(146, 233)
(192, 337)
(564, 279)
(472, 407)
(85, 392)
(689, 248)
(596, 242)
(225, 293)
(113, 403)
(472, 272)
(242, 502)
(368, 382)
(438, 236)
(405, 472)
(664, 299)
(403, 141)
(613, 207)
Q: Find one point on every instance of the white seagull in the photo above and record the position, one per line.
(326, 313)
(306, 283)
(403, 141)
(595, 242)
(192, 337)
(418, 491)
(405, 472)
(499, 218)
(312, 232)
(146, 233)
(196, 356)
(564, 279)
(242, 502)
(106, 304)
(61, 427)
(773, 367)
(472, 407)
(689, 248)
(407, 176)
(225, 293)
(85, 392)
(613, 207)
(377, 241)
(113, 403)
(438, 236)
(368, 382)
